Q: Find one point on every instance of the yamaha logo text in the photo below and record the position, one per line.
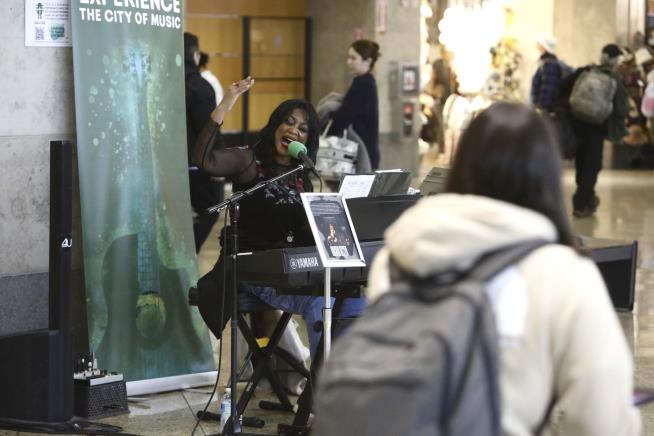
(304, 262)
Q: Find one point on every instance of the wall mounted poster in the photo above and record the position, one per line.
(47, 23)
(139, 250)
(332, 230)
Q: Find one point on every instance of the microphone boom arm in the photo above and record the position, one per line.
(237, 196)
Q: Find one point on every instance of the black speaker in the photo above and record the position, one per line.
(616, 261)
(36, 372)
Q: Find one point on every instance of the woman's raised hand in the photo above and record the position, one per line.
(232, 93)
(235, 90)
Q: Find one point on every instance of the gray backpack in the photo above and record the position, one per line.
(421, 361)
(591, 99)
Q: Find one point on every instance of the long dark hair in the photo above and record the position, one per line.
(266, 142)
(509, 153)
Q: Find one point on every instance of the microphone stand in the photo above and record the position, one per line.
(233, 425)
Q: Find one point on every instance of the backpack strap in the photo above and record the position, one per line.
(490, 264)
(546, 418)
(494, 262)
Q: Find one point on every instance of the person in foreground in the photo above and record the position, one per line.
(563, 355)
(272, 217)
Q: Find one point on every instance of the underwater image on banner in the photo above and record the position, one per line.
(139, 251)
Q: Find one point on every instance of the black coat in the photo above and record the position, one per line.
(360, 108)
(200, 102)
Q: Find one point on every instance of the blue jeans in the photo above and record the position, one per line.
(308, 306)
(215, 305)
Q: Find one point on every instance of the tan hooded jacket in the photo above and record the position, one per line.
(559, 335)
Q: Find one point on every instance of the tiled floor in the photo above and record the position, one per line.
(626, 213)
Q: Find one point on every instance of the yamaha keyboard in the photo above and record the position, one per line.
(299, 269)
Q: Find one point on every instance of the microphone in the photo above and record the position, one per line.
(299, 151)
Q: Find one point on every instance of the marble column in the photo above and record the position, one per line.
(38, 107)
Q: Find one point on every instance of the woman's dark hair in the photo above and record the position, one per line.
(509, 153)
(367, 49)
(191, 45)
(266, 142)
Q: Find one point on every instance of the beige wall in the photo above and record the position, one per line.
(400, 43)
(334, 26)
(583, 27)
(37, 107)
(531, 19)
(629, 20)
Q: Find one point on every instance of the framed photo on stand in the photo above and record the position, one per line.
(336, 242)
(332, 230)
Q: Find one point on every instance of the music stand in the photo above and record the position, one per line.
(337, 244)
(233, 425)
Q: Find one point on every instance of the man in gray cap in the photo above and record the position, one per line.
(545, 83)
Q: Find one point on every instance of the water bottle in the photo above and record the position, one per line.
(225, 408)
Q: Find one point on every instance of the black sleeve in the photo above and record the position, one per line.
(620, 99)
(349, 110)
(211, 156)
(203, 102)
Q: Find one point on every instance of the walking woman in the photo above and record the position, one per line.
(360, 107)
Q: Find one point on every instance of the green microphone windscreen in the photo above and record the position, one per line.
(295, 148)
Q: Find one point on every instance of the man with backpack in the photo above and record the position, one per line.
(597, 102)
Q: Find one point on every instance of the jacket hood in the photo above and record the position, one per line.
(451, 231)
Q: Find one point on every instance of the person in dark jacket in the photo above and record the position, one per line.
(546, 80)
(200, 101)
(360, 106)
(590, 137)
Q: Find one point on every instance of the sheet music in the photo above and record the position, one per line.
(354, 186)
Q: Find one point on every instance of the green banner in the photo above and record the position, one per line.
(139, 253)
